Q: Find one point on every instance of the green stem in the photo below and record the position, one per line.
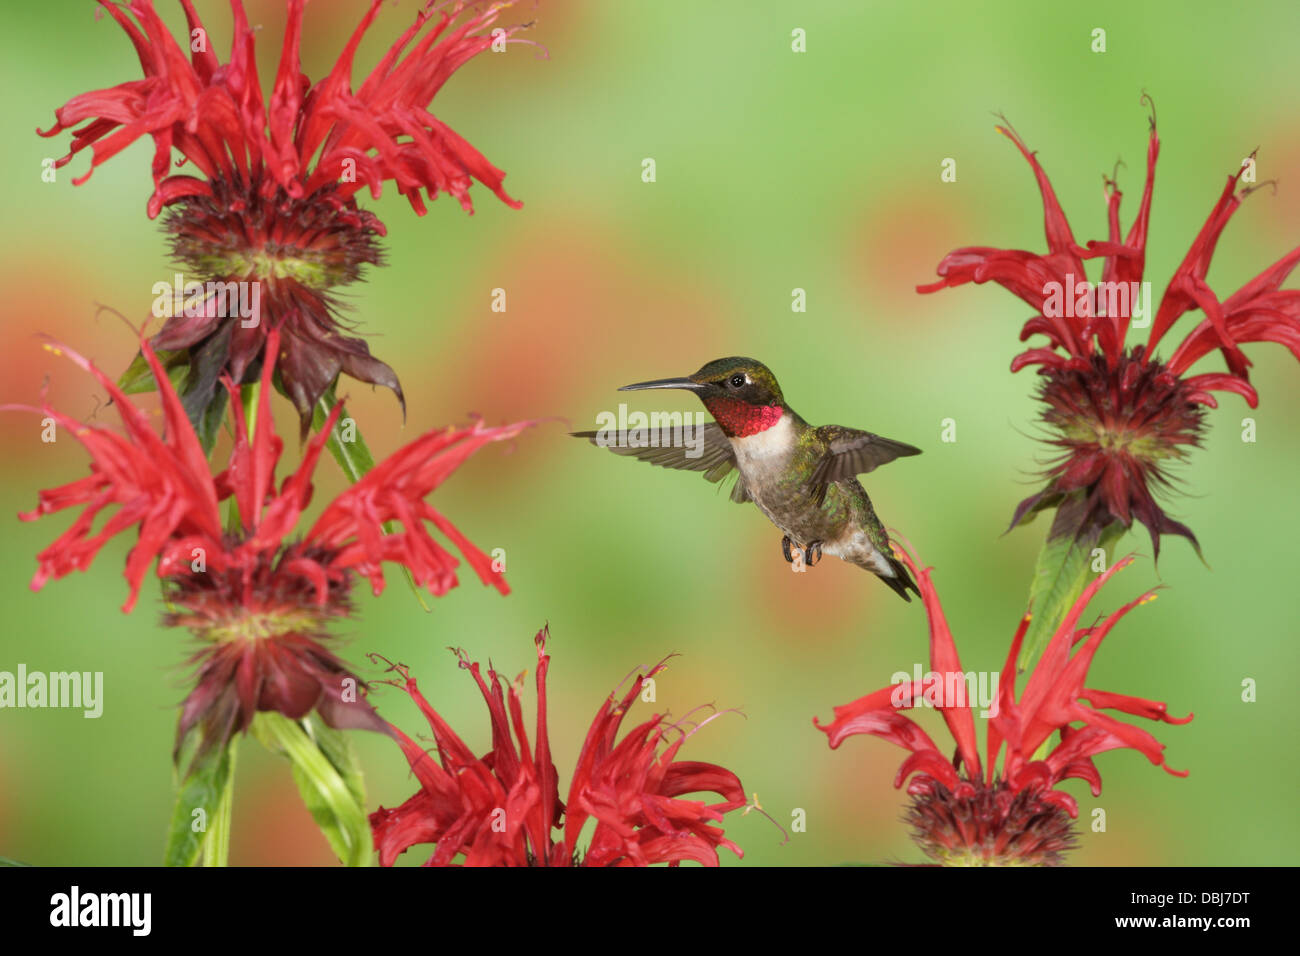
(337, 807)
(216, 848)
(289, 735)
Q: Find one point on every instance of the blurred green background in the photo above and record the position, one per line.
(775, 170)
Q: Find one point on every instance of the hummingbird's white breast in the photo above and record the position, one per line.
(762, 460)
(764, 455)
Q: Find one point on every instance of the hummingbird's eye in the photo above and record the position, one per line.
(737, 381)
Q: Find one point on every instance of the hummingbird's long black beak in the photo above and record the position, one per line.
(685, 383)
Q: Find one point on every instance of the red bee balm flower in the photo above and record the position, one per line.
(962, 815)
(1119, 413)
(500, 809)
(274, 205)
(260, 599)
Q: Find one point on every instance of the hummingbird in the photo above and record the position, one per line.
(802, 477)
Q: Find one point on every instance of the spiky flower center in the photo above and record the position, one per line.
(993, 826)
(320, 241)
(262, 602)
(258, 259)
(245, 624)
(1118, 427)
(266, 646)
(1137, 410)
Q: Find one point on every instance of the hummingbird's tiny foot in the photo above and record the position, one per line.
(786, 545)
(813, 553)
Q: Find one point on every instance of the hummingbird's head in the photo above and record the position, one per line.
(741, 393)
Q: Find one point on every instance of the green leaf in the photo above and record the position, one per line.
(206, 787)
(203, 396)
(1062, 571)
(328, 778)
(195, 374)
(138, 377)
(352, 454)
(354, 457)
(209, 425)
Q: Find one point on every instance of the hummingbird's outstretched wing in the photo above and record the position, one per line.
(710, 452)
(850, 452)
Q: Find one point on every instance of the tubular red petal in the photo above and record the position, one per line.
(1225, 383)
(1177, 298)
(890, 725)
(1060, 238)
(1137, 706)
(1045, 357)
(944, 661)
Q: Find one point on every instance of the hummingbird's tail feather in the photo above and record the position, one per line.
(874, 554)
(901, 581)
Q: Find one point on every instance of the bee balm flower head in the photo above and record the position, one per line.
(968, 813)
(268, 206)
(1119, 414)
(259, 594)
(500, 809)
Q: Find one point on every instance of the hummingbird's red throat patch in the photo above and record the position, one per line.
(739, 419)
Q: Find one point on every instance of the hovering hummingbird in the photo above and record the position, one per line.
(801, 476)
